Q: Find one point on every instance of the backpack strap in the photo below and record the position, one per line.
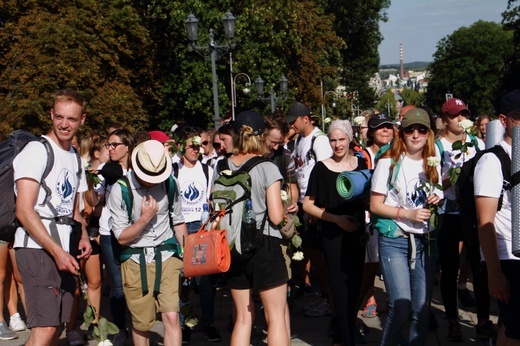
(127, 195)
(175, 167)
(505, 163)
(439, 145)
(474, 141)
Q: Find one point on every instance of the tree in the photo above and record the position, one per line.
(97, 47)
(511, 21)
(357, 23)
(468, 64)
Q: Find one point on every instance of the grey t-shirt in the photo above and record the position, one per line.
(262, 175)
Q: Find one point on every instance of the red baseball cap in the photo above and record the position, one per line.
(454, 106)
(159, 136)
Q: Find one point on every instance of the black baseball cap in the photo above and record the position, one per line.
(296, 110)
(377, 120)
(510, 102)
(249, 118)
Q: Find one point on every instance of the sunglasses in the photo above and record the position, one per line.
(205, 143)
(113, 145)
(216, 145)
(423, 130)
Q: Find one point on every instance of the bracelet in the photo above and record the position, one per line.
(398, 212)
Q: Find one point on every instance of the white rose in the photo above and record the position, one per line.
(298, 256)
(359, 120)
(105, 343)
(226, 172)
(201, 150)
(327, 120)
(433, 161)
(466, 124)
(196, 140)
(284, 195)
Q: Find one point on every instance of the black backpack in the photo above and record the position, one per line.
(9, 148)
(465, 186)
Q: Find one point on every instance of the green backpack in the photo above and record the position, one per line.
(123, 253)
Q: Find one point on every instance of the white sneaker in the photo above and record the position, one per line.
(16, 324)
(6, 333)
(74, 339)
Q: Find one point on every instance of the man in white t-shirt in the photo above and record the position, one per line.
(495, 229)
(46, 266)
(311, 145)
(195, 180)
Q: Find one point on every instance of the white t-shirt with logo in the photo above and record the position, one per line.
(194, 189)
(407, 192)
(304, 161)
(62, 181)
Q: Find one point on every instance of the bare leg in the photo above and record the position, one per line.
(141, 338)
(17, 278)
(245, 310)
(275, 302)
(172, 329)
(41, 336)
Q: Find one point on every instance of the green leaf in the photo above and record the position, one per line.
(112, 328)
(89, 315)
(296, 241)
(456, 145)
(457, 156)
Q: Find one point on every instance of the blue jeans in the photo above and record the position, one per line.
(113, 268)
(409, 291)
(206, 288)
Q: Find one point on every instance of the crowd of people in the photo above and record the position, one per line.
(133, 198)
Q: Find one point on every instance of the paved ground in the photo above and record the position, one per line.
(308, 331)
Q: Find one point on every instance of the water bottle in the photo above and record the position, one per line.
(248, 233)
(205, 213)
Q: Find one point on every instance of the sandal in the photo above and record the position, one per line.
(370, 309)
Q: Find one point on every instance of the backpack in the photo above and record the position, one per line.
(364, 154)
(439, 145)
(12, 146)
(465, 186)
(310, 154)
(231, 190)
(128, 196)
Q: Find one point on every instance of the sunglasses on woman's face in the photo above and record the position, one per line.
(423, 130)
(216, 145)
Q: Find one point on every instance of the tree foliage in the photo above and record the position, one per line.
(511, 21)
(97, 47)
(468, 64)
(357, 23)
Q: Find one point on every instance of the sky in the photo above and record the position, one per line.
(420, 24)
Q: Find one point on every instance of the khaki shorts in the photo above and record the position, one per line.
(144, 308)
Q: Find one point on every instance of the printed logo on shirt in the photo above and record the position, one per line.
(415, 196)
(192, 193)
(65, 190)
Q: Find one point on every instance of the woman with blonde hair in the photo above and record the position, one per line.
(403, 192)
(265, 268)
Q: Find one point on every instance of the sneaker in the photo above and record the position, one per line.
(466, 299)
(486, 331)
(186, 336)
(16, 323)
(319, 311)
(119, 338)
(6, 333)
(212, 334)
(454, 333)
(74, 339)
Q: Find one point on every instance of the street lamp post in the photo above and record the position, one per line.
(273, 98)
(246, 91)
(213, 50)
(324, 109)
